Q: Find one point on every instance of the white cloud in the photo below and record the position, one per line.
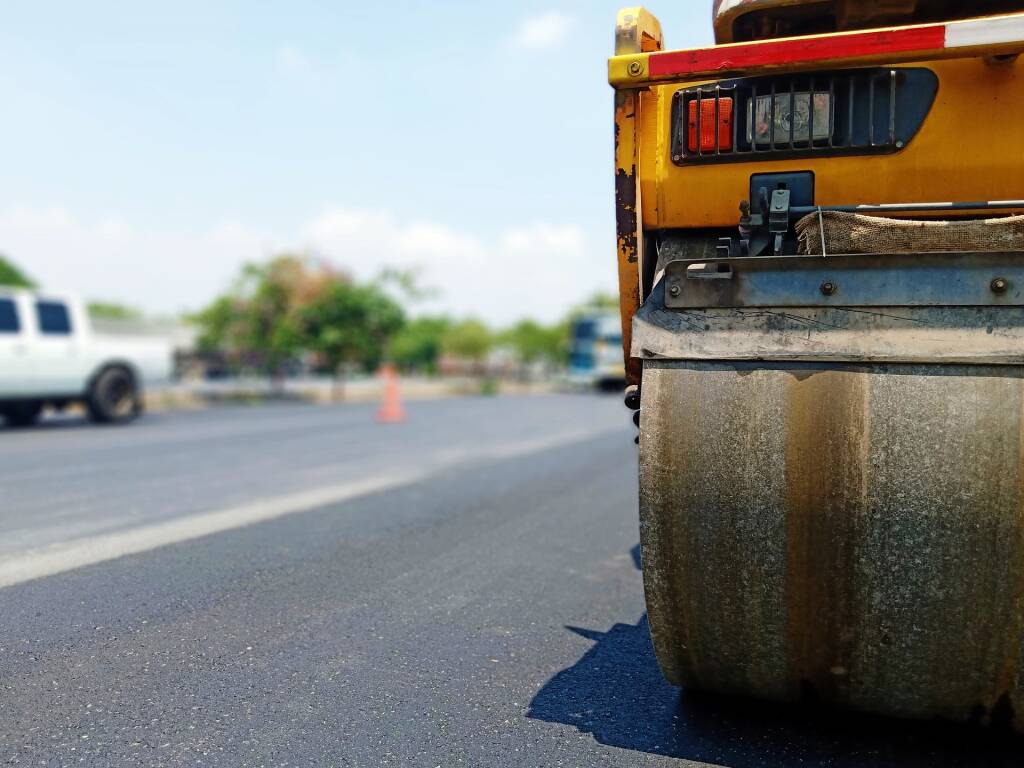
(110, 259)
(544, 237)
(542, 31)
(529, 270)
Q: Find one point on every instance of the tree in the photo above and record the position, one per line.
(293, 306)
(407, 283)
(534, 342)
(469, 340)
(418, 345)
(256, 323)
(602, 300)
(598, 301)
(218, 324)
(12, 276)
(346, 323)
(270, 299)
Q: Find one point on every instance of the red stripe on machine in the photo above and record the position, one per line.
(736, 57)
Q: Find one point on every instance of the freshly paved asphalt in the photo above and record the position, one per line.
(487, 612)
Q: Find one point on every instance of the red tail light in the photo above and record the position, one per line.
(712, 122)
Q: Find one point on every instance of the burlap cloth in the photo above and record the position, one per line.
(855, 233)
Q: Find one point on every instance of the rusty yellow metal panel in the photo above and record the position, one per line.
(980, 106)
(636, 31)
(627, 213)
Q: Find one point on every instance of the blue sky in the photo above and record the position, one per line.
(150, 149)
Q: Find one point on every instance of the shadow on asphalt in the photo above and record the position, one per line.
(616, 692)
(66, 423)
(47, 425)
(57, 424)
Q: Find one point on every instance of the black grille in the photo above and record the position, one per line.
(865, 111)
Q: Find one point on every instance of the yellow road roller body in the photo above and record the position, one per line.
(821, 261)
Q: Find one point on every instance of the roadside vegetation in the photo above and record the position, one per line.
(295, 313)
(12, 276)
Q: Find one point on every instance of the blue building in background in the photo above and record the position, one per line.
(595, 358)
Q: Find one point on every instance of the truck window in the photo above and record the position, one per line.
(9, 322)
(54, 319)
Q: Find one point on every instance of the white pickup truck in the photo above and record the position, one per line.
(50, 355)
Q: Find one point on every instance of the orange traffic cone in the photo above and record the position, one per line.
(391, 411)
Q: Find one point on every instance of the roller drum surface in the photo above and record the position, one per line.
(847, 534)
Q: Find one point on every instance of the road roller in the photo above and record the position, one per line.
(820, 240)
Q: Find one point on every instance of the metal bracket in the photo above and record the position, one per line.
(778, 218)
(895, 280)
(713, 271)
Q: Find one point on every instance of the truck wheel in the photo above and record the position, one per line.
(22, 414)
(114, 397)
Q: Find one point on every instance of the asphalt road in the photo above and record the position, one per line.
(299, 586)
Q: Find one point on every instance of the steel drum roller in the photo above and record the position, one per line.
(851, 534)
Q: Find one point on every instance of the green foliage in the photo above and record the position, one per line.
(105, 310)
(10, 275)
(288, 307)
(418, 345)
(601, 300)
(293, 308)
(269, 301)
(534, 342)
(257, 324)
(407, 282)
(350, 324)
(468, 340)
(218, 324)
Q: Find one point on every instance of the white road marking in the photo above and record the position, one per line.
(71, 555)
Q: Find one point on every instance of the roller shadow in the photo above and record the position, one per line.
(617, 694)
